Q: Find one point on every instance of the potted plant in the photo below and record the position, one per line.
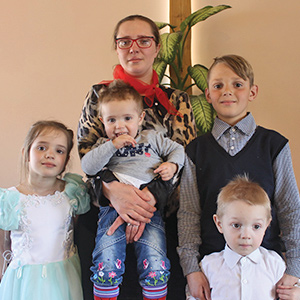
(172, 52)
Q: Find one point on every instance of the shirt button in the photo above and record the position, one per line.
(156, 103)
(232, 147)
(233, 138)
(244, 281)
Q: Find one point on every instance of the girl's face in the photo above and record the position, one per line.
(137, 62)
(48, 154)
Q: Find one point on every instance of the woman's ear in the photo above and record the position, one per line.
(218, 223)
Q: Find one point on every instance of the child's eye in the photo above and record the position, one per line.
(128, 118)
(217, 86)
(236, 225)
(257, 226)
(41, 148)
(112, 120)
(59, 151)
(238, 85)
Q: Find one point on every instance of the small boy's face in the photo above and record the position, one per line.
(229, 94)
(243, 226)
(121, 117)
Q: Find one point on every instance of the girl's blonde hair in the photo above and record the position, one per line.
(35, 130)
(241, 188)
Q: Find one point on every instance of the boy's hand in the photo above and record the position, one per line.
(198, 286)
(166, 170)
(123, 140)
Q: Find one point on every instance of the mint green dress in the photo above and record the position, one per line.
(44, 264)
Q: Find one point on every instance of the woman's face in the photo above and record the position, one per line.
(137, 62)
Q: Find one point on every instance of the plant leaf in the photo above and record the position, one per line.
(201, 15)
(169, 46)
(199, 74)
(160, 67)
(162, 25)
(203, 112)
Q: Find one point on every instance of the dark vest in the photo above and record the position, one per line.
(215, 168)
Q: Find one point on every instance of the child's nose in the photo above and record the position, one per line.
(49, 153)
(227, 92)
(245, 233)
(119, 124)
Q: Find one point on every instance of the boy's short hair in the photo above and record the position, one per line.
(120, 91)
(237, 64)
(241, 188)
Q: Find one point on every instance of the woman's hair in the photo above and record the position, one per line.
(241, 188)
(154, 28)
(120, 91)
(41, 127)
(237, 64)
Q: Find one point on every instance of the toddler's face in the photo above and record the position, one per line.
(121, 117)
(243, 226)
(229, 94)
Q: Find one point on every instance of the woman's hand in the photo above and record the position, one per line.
(198, 286)
(285, 288)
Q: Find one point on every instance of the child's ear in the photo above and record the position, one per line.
(142, 116)
(207, 95)
(253, 92)
(100, 118)
(218, 223)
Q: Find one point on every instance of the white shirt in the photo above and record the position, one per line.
(235, 277)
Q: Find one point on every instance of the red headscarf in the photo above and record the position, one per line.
(147, 90)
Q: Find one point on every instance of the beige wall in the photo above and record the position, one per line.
(266, 33)
(52, 51)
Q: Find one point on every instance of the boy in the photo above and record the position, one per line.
(135, 157)
(235, 146)
(243, 269)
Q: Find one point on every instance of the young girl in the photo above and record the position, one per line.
(38, 212)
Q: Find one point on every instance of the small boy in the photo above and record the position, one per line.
(243, 270)
(235, 146)
(135, 157)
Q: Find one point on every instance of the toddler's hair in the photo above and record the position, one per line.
(237, 64)
(241, 188)
(35, 130)
(120, 91)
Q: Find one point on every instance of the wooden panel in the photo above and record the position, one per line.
(179, 10)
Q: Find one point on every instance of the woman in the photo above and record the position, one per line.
(167, 110)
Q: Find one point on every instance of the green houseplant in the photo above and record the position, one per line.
(171, 54)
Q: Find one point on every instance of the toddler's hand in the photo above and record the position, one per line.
(123, 140)
(166, 170)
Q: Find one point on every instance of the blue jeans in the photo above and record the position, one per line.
(110, 252)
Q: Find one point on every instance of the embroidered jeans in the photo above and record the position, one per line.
(110, 252)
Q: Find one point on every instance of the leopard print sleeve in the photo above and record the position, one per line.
(181, 128)
(90, 128)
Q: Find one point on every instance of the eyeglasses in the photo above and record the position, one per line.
(142, 42)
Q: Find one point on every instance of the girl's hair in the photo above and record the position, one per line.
(237, 64)
(241, 188)
(35, 130)
(120, 91)
(154, 28)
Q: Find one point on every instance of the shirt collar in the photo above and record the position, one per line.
(232, 258)
(247, 126)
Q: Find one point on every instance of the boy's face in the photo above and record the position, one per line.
(243, 226)
(229, 94)
(121, 117)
